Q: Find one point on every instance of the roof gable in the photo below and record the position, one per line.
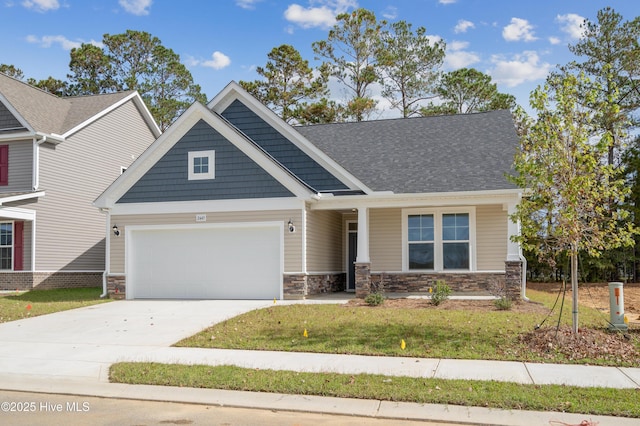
(196, 128)
(8, 121)
(236, 175)
(281, 141)
(465, 152)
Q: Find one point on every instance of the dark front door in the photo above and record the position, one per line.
(351, 270)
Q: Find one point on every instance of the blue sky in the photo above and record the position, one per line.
(516, 42)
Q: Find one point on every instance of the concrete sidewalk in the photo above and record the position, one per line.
(70, 353)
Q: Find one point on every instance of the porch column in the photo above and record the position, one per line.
(513, 265)
(363, 262)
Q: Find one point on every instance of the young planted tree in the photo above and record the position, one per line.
(409, 63)
(350, 52)
(572, 195)
(288, 84)
(468, 90)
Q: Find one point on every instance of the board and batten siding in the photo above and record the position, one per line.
(324, 242)
(491, 237)
(20, 166)
(70, 230)
(292, 241)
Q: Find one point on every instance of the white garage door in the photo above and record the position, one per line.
(231, 261)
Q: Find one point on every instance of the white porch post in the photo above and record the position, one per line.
(513, 229)
(363, 236)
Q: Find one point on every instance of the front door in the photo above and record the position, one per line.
(352, 250)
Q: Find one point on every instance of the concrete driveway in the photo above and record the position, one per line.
(82, 343)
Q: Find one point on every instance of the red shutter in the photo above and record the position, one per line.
(18, 244)
(4, 164)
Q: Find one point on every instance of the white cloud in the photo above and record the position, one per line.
(391, 13)
(518, 29)
(447, 1)
(65, 43)
(571, 24)
(554, 40)
(521, 68)
(462, 26)
(136, 7)
(41, 5)
(218, 61)
(247, 4)
(457, 57)
(322, 16)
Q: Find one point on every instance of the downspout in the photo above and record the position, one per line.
(523, 292)
(107, 252)
(35, 181)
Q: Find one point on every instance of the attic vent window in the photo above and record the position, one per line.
(201, 165)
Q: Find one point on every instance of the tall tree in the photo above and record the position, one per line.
(409, 63)
(288, 83)
(610, 55)
(570, 186)
(12, 71)
(350, 52)
(468, 90)
(136, 60)
(51, 85)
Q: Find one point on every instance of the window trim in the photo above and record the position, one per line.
(438, 240)
(211, 156)
(12, 246)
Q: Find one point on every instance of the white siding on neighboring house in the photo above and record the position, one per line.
(324, 242)
(491, 237)
(70, 230)
(20, 166)
(292, 241)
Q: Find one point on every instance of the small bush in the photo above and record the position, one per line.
(441, 292)
(503, 303)
(374, 299)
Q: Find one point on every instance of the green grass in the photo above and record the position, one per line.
(428, 332)
(595, 401)
(15, 306)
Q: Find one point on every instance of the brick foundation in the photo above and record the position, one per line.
(26, 280)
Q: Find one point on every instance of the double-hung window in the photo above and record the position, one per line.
(6, 246)
(439, 239)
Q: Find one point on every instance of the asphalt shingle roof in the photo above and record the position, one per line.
(465, 152)
(51, 114)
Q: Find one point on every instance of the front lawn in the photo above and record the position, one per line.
(594, 401)
(474, 331)
(15, 306)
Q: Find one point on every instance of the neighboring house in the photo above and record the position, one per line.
(56, 156)
(231, 202)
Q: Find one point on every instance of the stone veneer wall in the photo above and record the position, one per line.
(27, 280)
(472, 282)
(513, 279)
(116, 286)
(298, 286)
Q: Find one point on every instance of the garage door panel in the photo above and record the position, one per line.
(231, 262)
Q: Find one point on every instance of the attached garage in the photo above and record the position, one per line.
(205, 261)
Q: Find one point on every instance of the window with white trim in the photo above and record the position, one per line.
(439, 239)
(201, 165)
(6, 246)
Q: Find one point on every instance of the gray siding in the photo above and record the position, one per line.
(491, 237)
(7, 120)
(20, 166)
(281, 148)
(236, 175)
(69, 229)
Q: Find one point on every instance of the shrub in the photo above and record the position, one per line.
(441, 292)
(503, 303)
(374, 299)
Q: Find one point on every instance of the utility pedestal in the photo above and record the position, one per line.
(616, 307)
